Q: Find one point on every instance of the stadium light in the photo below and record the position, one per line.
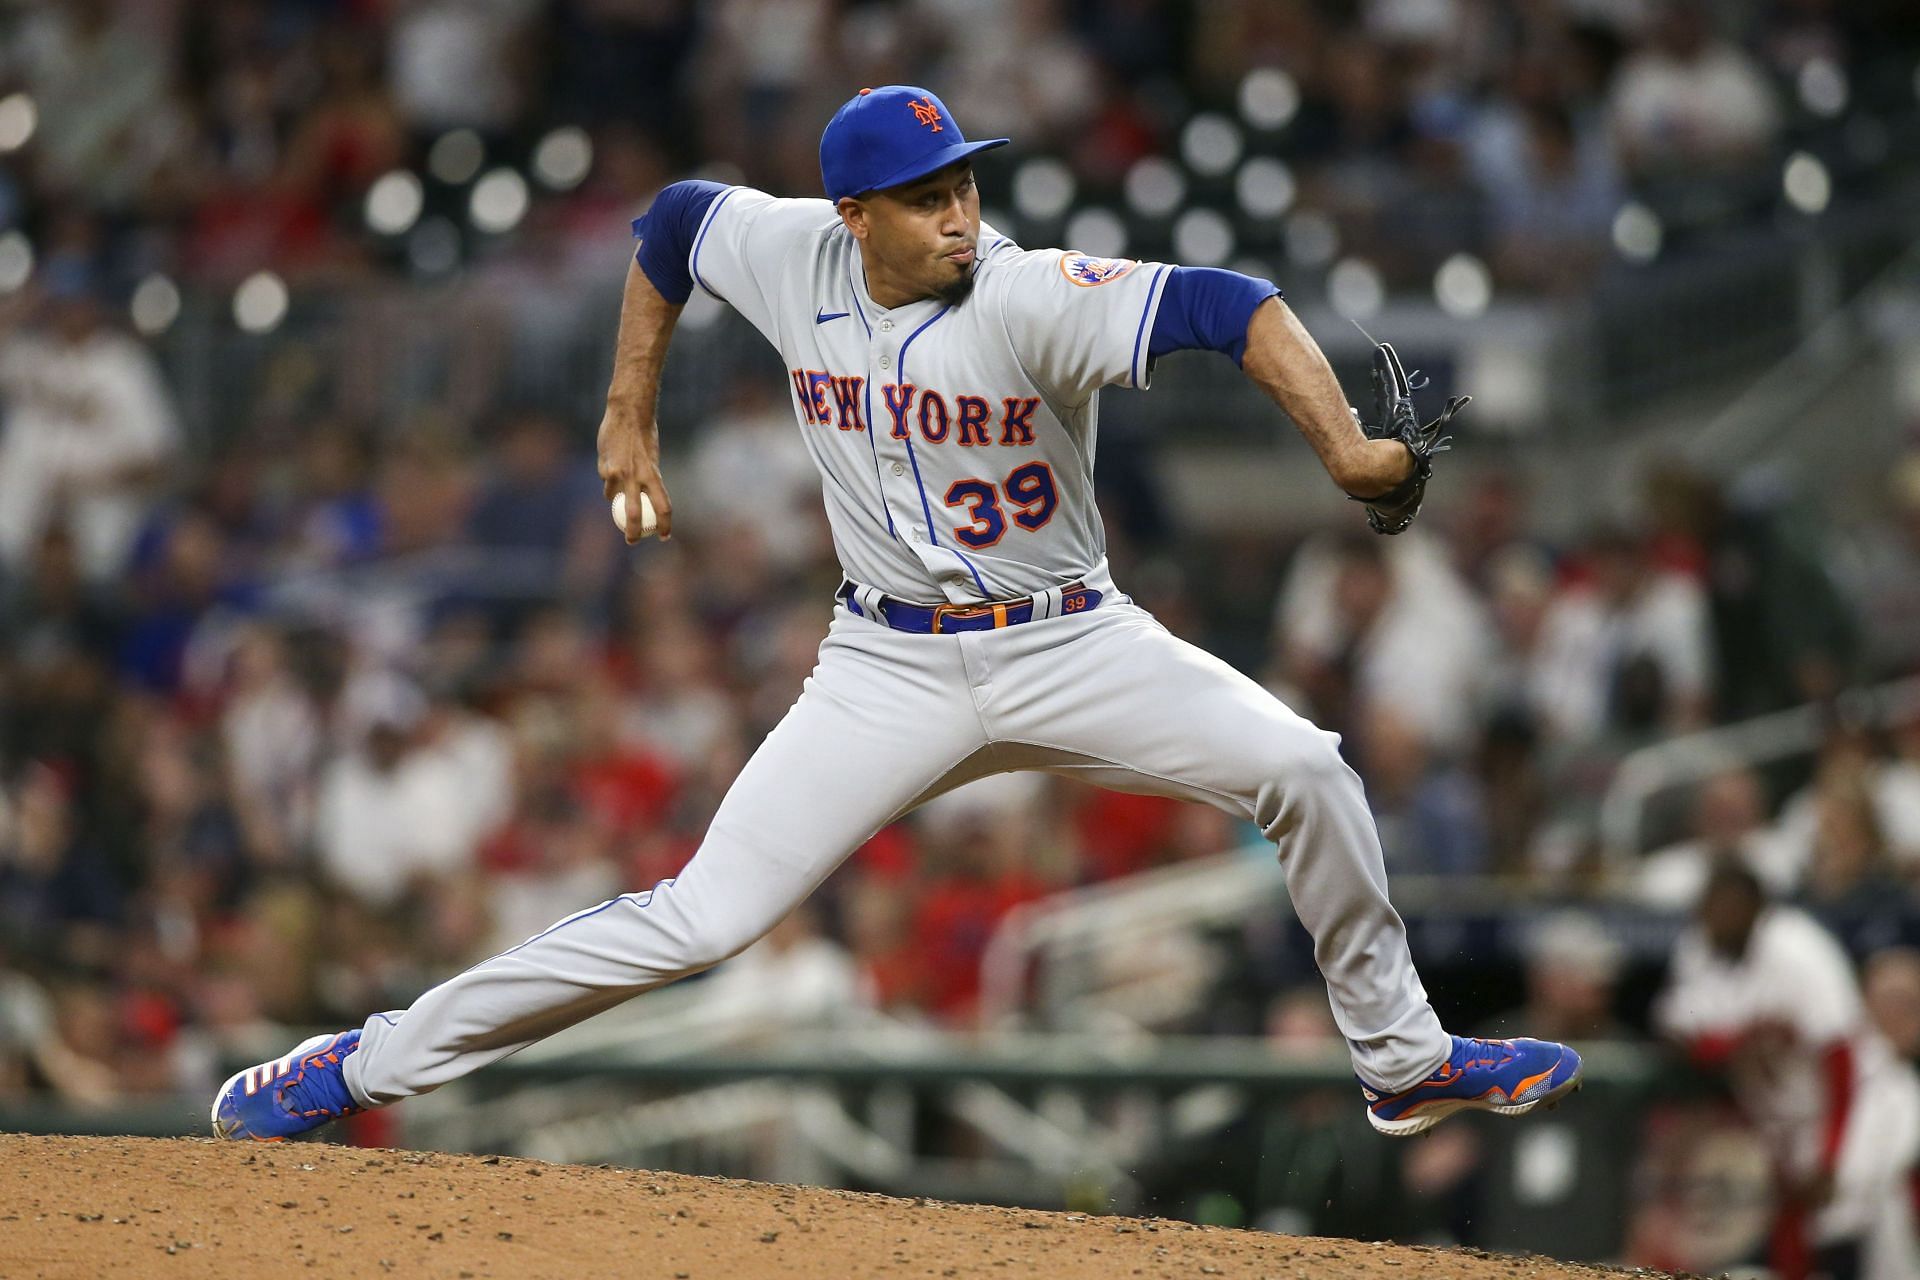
(1155, 187)
(499, 201)
(456, 156)
(1097, 231)
(563, 159)
(1637, 232)
(1463, 286)
(1355, 289)
(1202, 237)
(155, 305)
(1823, 87)
(1042, 189)
(16, 261)
(1807, 183)
(1265, 187)
(1210, 144)
(18, 119)
(1269, 98)
(1312, 239)
(260, 303)
(394, 202)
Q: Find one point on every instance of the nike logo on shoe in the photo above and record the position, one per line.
(821, 317)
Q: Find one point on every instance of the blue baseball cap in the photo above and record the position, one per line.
(889, 136)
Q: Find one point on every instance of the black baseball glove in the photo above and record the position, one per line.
(1394, 419)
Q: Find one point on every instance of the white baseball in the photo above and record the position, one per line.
(647, 520)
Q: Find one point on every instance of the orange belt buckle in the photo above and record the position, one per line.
(941, 612)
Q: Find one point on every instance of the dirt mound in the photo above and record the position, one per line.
(85, 1207)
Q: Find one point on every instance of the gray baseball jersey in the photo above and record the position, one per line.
(955, 447)
(955, 443)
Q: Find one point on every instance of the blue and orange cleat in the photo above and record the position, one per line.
(289, 1095)
(1506, 1077)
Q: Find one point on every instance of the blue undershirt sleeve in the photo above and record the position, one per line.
(666, 234)
(1207, 309)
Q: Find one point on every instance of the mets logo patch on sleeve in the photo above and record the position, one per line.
(1087, 271)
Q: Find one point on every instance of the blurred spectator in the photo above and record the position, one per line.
(538, 514)
(793, 977)
(58, 636)
(351, 135)
(392, 814)
(980, 866)
(1855, 795)
(1729, 825)
(1553, 193)
(1428, 810)
(1026, 71)
(1630, 609)
(1573, 968)
(90, 428)
(1880, 570)
(622, 785)
(1849, 868)
(34, 1052)
(273, 739)
(1688, 101)
(546, 865)
(1765, 994)
(184, 593)
(1365, 625)
(58, 894)
(876, 919)
(461, 63)
(1782, 634)
(90, 67)
(335, 517)
(1890, 984)
(623, 60)
(751, 467)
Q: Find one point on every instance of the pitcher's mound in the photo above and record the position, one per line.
(86, 1207)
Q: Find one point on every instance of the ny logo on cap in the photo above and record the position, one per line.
(926, 112)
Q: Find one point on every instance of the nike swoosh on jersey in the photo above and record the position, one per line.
(821, 317)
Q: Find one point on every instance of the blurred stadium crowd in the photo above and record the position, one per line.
(293, 722)
(328, 139)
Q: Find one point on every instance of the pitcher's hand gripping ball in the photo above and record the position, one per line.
(1394, 419)
(647, 521)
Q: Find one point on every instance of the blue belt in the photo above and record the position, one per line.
(990, 615)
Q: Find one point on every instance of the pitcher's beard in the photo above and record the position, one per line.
(956, 292)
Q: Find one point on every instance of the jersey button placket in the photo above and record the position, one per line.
(881, 353)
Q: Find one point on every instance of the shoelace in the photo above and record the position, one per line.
(316, 1091)
(1488, 1052)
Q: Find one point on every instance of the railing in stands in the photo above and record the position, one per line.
(1695, 757)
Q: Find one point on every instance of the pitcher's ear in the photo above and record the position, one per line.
(854, 215)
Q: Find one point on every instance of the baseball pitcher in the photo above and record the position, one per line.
(946, 382)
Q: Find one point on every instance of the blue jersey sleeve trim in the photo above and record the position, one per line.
(1136, 375)
(694, 261)
(1207, 309)
(667, 235)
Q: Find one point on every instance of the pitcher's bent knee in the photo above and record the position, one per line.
(1302, 772)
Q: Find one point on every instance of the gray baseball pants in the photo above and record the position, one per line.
(890, 719)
